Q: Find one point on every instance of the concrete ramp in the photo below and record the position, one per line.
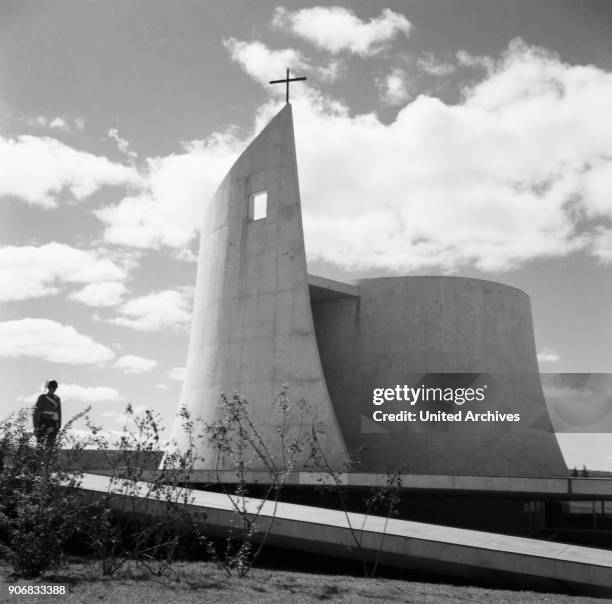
(489, 557)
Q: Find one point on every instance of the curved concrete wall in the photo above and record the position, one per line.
(252, 328)
(253, 332)
(400, 329)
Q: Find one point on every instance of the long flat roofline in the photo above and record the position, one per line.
(511, 486)
(325, 289)
(562, 488)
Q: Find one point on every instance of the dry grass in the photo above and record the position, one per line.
(197, 582)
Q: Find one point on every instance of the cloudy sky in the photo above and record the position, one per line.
(467, 138)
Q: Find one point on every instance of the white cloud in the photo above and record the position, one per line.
(104, 293)
(60, 123)
(467, 59)
(56, 123)
(51, 341)
(167, 309)
(169, 210)
(39, 120)
(601, 246)
(494, 181)
(597, 187)
(85, 395)
(394, 88)
(131, 363)
(431, 65)
(29, 272)
(333, 71)
(177, 374)
(88, 394)
(262, 63)
(337, 29)
(504, 176)
(161, 386)
(548, 355)
(37, 169)
(122, 144)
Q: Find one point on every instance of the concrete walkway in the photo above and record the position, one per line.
(524, 563)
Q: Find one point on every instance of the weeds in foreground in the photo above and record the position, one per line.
(145, 516)
(240, 445)
(40, 510)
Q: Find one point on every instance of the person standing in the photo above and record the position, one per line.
(47, 416)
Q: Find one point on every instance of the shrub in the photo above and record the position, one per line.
(238, 445)
(39, 507)
(145, 516)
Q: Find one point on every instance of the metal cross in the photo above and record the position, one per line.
(286, 81)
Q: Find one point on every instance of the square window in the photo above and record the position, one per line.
(258, 205)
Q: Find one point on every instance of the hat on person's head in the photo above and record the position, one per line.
(51, 384)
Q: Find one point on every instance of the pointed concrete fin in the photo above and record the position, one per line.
(252, 330)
